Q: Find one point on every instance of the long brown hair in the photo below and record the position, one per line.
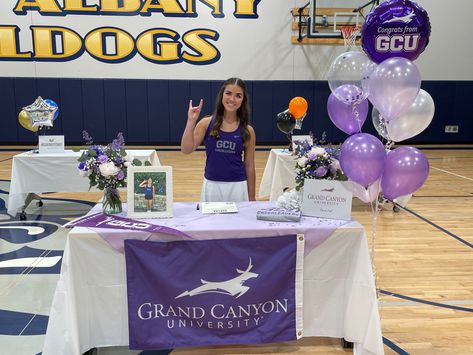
(243, 112)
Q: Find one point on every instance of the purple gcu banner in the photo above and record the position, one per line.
(209, 292)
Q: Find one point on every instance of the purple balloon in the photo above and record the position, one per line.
(347, 117)
(405, 171)
(362, 158)
(394, 86)
(396, 28)
(349, 94)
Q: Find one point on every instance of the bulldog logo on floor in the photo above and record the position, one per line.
(231, 287)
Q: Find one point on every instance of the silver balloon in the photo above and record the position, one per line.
(380, 124)
(40, 113)
(351, 68)
(415, 120)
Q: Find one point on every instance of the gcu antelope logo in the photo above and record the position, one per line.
(232, 287)
(405, 19)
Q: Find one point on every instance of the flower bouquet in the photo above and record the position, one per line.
(106, 168)
(317, 161)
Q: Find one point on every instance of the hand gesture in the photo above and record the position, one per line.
(194, 111)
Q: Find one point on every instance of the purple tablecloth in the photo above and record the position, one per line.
(220, 226)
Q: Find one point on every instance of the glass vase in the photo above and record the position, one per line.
(111, 203)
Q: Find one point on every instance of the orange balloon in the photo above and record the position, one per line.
(298, 107)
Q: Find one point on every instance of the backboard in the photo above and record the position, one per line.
(326, 17)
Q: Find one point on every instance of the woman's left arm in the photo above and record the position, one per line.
(249, 161)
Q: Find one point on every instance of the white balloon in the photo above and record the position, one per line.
(414, 121)
(367, 194)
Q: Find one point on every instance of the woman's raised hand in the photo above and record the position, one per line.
(194, 111)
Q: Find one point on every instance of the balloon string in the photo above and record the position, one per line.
(389, 144)
(375, 207)
(357, 116)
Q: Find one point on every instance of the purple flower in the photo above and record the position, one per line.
(82, 166)
(118, 142)
(102, 159)
(321, 171)
(312, 156)
(87, 137)
(120, 175)
(98, 150)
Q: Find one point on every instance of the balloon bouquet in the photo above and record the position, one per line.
(292, 118)
(393, 35)
(38, 115)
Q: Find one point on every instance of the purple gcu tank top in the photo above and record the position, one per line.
(224, 156)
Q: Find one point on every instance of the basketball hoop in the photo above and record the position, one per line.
(349, 34)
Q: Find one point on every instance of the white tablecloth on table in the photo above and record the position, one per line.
(90, 303)
(39, 173)
(278, 174)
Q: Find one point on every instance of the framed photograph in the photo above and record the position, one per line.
(149, 191)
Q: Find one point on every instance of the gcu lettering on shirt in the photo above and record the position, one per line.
(225, 147)
(224, 156)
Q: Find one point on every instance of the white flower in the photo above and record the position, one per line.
(318, 151)
(290, 199)
(302, 161)
(336, 164)
(127, 164)
(108, 169)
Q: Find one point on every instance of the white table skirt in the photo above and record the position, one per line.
(278, 174)
(39, 173)
(90, 303)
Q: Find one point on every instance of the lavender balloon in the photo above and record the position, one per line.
(347, 117)
(405, 171)
(362, 158)
(396, 28)
(394, 86)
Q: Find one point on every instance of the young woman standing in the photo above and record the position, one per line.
(229, 143)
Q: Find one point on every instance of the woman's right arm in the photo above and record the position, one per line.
(194, 132)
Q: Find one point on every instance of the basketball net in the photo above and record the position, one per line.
(349, 34)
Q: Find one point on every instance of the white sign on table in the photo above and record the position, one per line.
(50, 144)
(219, 207)
(327, 199)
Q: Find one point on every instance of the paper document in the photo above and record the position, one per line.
(219, 207)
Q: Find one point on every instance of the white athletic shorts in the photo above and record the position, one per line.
(222, 191)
